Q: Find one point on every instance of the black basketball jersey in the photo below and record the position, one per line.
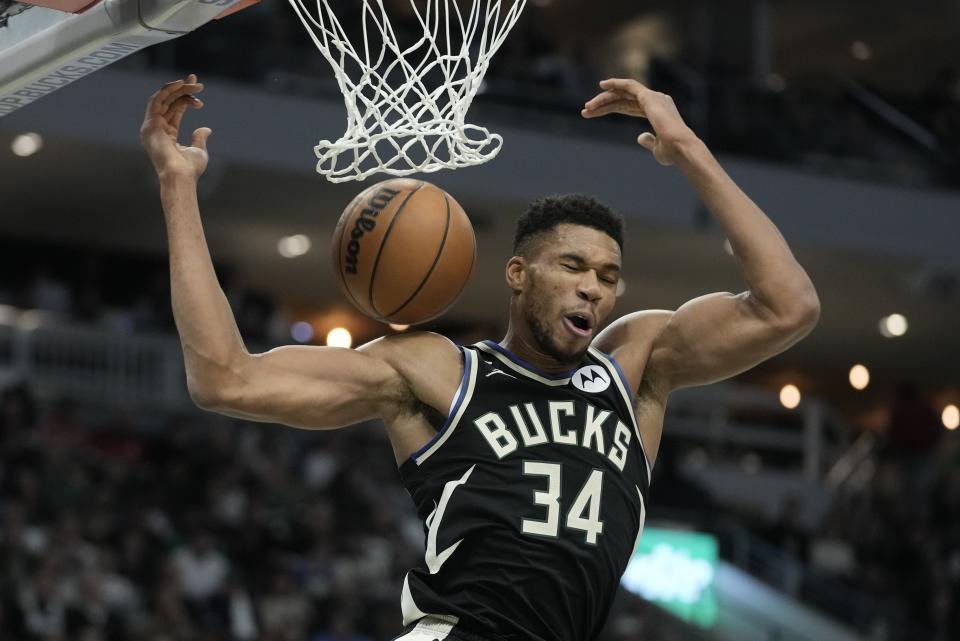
(532, 496)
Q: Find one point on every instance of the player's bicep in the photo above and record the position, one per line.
(315, 387)
(716, 336)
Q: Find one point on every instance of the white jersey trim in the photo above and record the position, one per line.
(617, 375)
(643, 520)
(519, 368)
(431, 627)
(408, 607)
(460, 402)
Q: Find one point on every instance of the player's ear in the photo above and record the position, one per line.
(516, 273)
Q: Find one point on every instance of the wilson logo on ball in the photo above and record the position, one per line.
(403, 250)
(366, 222)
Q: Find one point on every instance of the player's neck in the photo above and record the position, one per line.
(526, 348)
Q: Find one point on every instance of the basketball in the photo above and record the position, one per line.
(403, 251)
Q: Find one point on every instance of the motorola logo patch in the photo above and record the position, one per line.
(591, 378)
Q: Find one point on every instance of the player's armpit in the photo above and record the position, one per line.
(716, 336)
(630, 338)
(327, 387)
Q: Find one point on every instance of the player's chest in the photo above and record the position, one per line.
(516, 422)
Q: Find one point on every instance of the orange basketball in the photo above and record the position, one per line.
(403, 251)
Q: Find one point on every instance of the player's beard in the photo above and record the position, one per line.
(544, 337)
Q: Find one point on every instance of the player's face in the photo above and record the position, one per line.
(570, 289)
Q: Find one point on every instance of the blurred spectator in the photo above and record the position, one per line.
(17, 408)
(285, 610)
(97, 544)
(914, 427)
(912, 436)
(49, 292)
(40, 611)
(201, 572)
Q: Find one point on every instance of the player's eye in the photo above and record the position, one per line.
(572, 268)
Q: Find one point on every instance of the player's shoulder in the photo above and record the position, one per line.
(428, 366)
(634, 329)
(417, 350)
(630, 340)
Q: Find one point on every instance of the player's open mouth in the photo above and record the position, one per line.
(579, 324)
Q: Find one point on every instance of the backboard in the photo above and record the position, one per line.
(43, 48)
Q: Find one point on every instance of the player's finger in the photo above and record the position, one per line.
(183, 102)
(171, 106)
(175, 115)
(623, 84)
(603, 110)
(160, 101)
(200, 137)
(620, 106)
(647, 140)
(602, 99)
(174, 92)
(154, 102)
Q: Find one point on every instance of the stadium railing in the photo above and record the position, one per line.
(60, 359)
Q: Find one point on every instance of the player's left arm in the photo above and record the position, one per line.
(716, 336)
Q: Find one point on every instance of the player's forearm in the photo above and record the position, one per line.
(772, 273)
(208, 331)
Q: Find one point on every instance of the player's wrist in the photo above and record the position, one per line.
(688, 149)
(171, 176)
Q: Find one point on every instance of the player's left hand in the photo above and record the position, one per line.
(632, 98)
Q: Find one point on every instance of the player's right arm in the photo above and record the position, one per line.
(317, 387)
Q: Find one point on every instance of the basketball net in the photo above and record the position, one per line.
(407, 102)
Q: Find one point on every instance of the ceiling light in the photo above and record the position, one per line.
(859, 377)
(893, 325)
(951, 417)
(776, 82)
(860, 50)
(790, 396)
(26, 144)
(301, 332)
(293, 246)
(339, 337)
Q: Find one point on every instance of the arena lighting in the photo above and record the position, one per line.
(26, 144)
(301, 332)
(776, 82)
(859, 377)
(894, 325)
(676, 569)
(293, 246)
(750, 463)
(727, 247)
(339, 337)
(860, 50)
(951, 417)
(790, 396)
(397, 327)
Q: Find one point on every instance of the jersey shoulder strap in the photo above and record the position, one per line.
(460, 401)
(626, 395)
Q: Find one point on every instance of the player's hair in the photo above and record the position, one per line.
(546, 213)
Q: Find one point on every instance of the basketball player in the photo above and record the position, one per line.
(529, 459)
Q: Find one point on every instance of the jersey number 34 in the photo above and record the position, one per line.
(583, 515)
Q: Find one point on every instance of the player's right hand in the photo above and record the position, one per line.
(161, 128)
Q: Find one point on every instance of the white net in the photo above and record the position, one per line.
(408, 85)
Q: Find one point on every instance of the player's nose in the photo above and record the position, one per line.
(588, 286)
